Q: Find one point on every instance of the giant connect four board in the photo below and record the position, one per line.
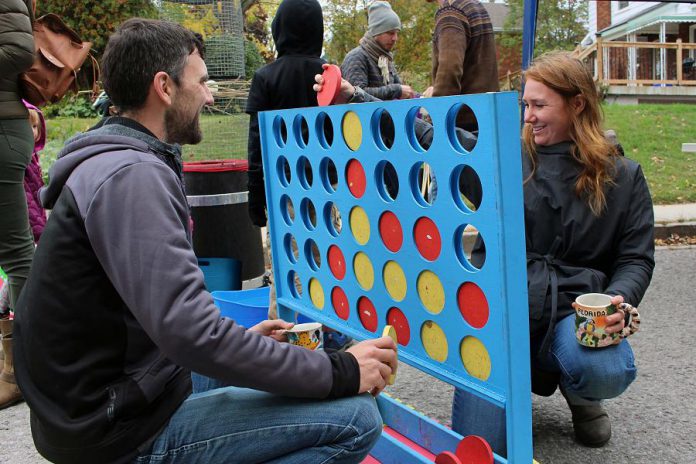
(400, 253)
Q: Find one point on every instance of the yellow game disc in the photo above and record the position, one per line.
(475, 358)
(431, 292)
(316, 293)
(352, 130)
(434, 341)
(360, 225)
(364, 272)
(394, 280)
(390, 332)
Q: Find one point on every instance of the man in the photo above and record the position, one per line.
(115, 315)
(371, 64)
(464, 57)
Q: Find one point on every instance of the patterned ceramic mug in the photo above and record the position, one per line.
(591, 311)
(307, 335)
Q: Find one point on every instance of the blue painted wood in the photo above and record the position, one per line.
(419, 428)
(496, 160)
(389, 450)
(431, 435)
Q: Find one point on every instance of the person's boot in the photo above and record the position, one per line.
(591, 424)
(9, 391)
(544, 383)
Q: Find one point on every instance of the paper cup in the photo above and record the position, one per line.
(307, 335)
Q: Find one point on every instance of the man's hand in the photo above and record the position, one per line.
(428, 92)
(377, 360)
(407, 92)
(274, 328)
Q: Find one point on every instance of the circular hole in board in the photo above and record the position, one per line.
(470, 247)
(467, 189)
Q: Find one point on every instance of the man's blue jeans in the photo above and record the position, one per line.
(588, 375)
(238, 425)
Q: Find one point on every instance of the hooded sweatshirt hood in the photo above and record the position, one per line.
(41, 143)
(298, 28)
(107, 138)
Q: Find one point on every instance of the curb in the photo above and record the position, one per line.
(664, 231)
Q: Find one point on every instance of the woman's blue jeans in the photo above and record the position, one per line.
(588, 375)
(238, 425)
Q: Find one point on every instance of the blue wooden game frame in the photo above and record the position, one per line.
(496, 159)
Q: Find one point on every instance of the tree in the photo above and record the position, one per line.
(257, 28)
(347, 22)
(561, 25)
(95, 20)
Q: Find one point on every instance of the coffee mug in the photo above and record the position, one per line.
(591, 311)
(307, 335)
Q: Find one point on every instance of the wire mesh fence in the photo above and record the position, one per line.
(221, 23)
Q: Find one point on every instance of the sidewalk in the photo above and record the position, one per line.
(675, 219)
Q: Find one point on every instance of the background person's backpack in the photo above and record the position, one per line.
(59, 55)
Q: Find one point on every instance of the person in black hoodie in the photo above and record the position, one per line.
(298, 33)
(115, 315)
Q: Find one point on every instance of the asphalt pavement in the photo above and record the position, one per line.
(654, 422)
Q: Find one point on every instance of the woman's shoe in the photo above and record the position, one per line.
(591, 424)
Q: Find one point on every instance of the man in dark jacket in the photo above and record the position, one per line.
(16, 146)
(115, 314)
(370, 65)
(464, 59)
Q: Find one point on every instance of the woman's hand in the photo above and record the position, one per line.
(617, 321)
(274, 328)
(346, 91)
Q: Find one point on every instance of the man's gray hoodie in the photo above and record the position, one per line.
(115, 313)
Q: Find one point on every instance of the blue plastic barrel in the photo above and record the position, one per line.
(221, 273)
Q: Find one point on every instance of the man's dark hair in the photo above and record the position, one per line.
(138, 50)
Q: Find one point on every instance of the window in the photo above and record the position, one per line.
(623, 5)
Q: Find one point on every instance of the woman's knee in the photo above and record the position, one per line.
(603, 377)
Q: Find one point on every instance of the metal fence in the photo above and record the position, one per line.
(221, 23)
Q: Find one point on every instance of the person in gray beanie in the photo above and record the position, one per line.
(370, 65)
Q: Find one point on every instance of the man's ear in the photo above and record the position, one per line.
(163, 86)
(578, 103)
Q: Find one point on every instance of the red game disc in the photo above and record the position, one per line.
(340, 303)
(355, 177)
(427, 238)
(473, 304)
(396, 319)
(337, 263)
(367, 313)
(447, 457)
(390, 230)
(474, 450)
(331, 87)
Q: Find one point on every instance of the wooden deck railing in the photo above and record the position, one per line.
(641, 63)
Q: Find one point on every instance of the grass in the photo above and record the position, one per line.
(651, 134)
(224, 137)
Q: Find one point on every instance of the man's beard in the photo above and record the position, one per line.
(179, 128)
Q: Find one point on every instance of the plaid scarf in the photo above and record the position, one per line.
(383, 58)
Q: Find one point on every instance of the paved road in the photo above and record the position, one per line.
(654, 422)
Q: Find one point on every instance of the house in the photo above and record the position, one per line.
(647, 50)
(509, 58)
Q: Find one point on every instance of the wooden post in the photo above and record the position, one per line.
(680, 70)
(600, 61)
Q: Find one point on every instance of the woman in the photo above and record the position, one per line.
(16, 147)
(589, 228)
